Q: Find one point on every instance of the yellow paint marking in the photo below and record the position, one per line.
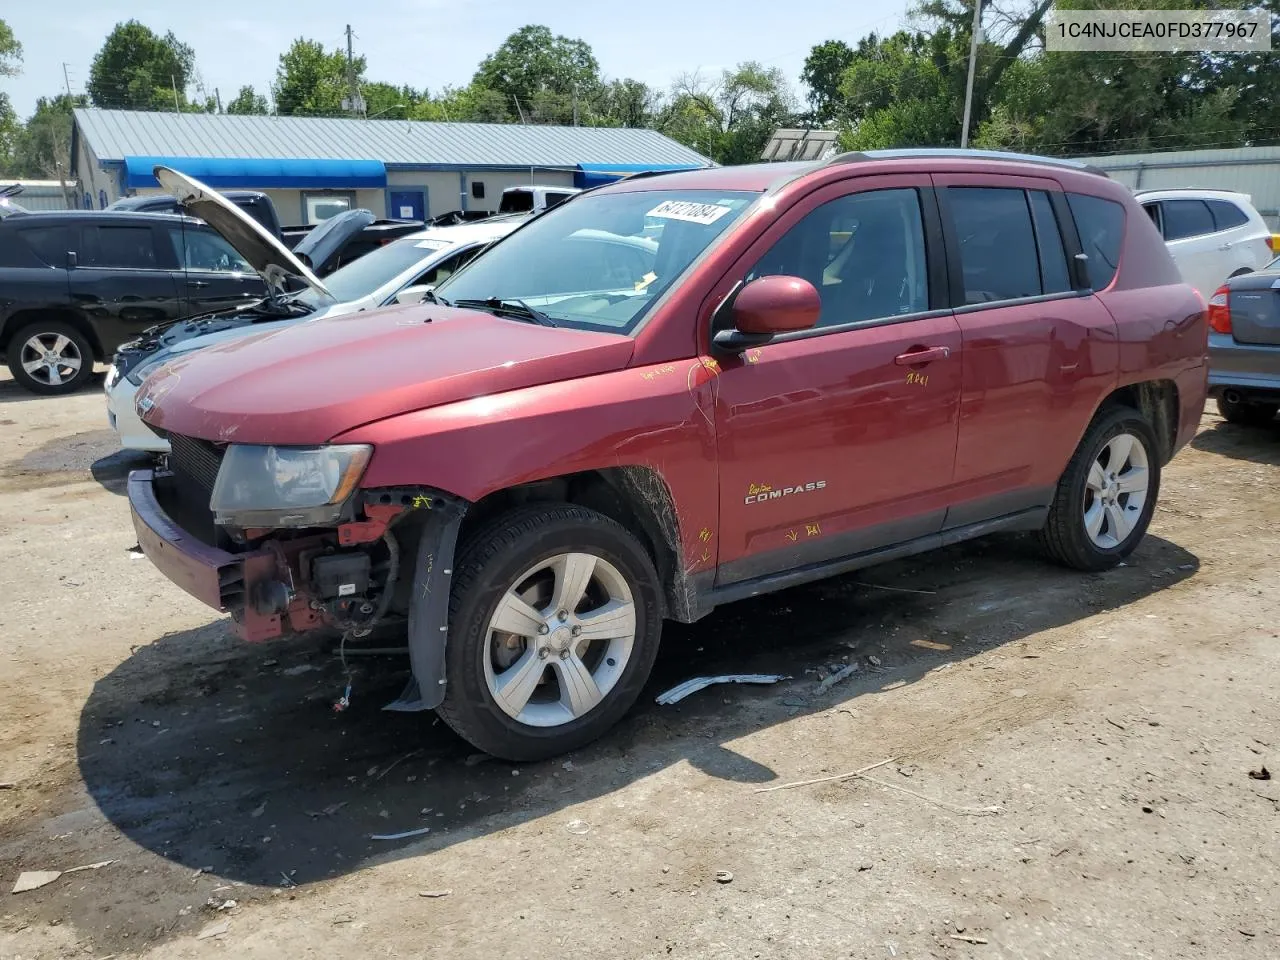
(792, 535)
(812, 529)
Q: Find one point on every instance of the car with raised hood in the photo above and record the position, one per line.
(757, 376)
(1244, 347)
(78, 284)
(399, 272)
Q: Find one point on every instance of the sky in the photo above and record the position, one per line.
(433, 43)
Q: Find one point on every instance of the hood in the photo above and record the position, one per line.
(306, 384)
(271, 258)
(326, 239)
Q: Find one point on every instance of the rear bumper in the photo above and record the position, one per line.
(221, 580)
(1247, 368)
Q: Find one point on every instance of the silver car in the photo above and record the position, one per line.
(1244, 346)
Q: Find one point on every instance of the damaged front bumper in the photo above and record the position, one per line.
(272, 588)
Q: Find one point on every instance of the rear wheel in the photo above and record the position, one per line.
(554, 625)
(1246, 413)
(50, 357)
(1107, 494)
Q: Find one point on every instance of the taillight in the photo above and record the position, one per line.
(1220, 310)
(1273, 242)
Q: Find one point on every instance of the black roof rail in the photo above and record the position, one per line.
(907, 153)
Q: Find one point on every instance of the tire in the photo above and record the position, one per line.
(1247, 414)
(521, 554)
(54, 336)
(1087, 530)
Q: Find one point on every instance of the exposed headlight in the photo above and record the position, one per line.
(260, 486)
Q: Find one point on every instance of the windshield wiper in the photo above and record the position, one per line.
(517, 309)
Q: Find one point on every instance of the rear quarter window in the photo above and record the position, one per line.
(1226, 215)
(1100, 224)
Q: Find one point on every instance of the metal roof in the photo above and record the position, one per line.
(116, 134)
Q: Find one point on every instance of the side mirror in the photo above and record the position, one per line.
(767, 307)
(412, 294)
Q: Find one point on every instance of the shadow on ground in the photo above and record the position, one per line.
(1241, 443)
(221, 755)
(11, 392)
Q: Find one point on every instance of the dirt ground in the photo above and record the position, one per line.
(1068, 776)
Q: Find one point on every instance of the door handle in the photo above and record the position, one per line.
(1225, 246)
(922, 355)
(197, 283)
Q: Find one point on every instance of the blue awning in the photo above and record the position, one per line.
(261, 172)
(595, 174)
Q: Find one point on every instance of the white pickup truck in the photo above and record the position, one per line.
(533, 199)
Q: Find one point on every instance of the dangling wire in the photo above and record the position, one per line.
(345, 700)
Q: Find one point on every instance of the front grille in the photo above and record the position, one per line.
(186, 490)
(196, 459)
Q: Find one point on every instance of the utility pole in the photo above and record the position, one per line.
(66, 78)
(519, 111)
(575, 103)
(353, 89)
(173, 82)
(973, 69)
(218, 96)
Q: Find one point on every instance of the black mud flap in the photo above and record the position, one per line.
(429, 606)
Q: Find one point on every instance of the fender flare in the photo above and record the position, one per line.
(429, 605)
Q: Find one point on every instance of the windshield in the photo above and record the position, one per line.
(599, 262)
(361, 277)
(7, 207)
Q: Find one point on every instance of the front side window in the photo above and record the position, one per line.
(1186, 218)
(120, 247)
(997, 243)
(864, 253)
(1100, 224)
(589, 264)
(197, 249)
(446, 268)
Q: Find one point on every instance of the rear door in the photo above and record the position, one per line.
(1243, 241)
(123, 279)
(1203, 257)
(1038, 347)
(210, 275)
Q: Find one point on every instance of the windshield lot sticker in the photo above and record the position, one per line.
(644, 282)
(760, 492)
(688, 211)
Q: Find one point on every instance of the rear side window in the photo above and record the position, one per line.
(997, 243)
(1101, 227)
(119, 246)
(1226, 215)
(1053, 256)
(1186, 218)
(50, 243)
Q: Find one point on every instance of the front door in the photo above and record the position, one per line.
(407, 204)
(211, 276)
(841, 439)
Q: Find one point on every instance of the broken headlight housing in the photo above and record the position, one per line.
(266, 486)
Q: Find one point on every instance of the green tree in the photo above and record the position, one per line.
(389, 101)
(313, 83)
(43, 149)
(541, 74)
(732, 118)
(248, 101)
(139, 70)
(823, 70)
(10, 52)
(470, 104)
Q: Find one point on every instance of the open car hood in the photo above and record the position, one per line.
(275, 263)
(319, 246)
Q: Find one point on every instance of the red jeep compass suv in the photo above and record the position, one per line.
(674, 392)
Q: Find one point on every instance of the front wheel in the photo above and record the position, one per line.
(1107, 494)
(555, 619)
(1247, 414)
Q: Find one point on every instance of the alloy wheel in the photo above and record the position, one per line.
(1116, 490)
(559, 639)
(51, 359)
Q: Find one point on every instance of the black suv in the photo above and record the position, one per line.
(74, 285)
